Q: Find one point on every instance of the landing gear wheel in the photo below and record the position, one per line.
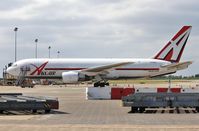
(96, 84)
(107, 84)
(102, 84)
(134, 109)
(141, 109)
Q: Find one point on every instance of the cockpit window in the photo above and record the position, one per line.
(10, 64)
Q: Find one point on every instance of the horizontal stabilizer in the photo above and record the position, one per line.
(178, 66)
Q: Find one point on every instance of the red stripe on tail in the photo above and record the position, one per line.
(173, 50)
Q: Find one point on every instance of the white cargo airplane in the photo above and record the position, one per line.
(102, 70)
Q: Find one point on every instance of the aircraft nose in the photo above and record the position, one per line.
(12, 71)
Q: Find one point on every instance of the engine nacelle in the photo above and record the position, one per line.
(73, 77)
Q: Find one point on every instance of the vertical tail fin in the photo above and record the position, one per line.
(174, 48)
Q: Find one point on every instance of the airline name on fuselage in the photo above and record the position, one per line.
(46, 73)
(50, 73)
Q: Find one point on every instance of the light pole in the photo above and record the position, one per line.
(15, 30)
(36, 40)
(58, 52)
(49, 51)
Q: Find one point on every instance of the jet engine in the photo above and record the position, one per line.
(73, 77)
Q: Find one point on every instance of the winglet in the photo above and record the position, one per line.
(173, 50)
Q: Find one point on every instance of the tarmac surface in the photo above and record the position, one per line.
(77, 113)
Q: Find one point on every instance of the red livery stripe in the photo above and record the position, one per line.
(64, 68)
(137, 68)
(115, 69)
(172, 47)
(185, 28)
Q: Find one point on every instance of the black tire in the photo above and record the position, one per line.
(96, 84)
(141, 109)
(102, 84)
(134, 109)
(107, 84)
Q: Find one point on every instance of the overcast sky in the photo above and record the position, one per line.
(97, 28)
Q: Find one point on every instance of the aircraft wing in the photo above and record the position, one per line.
(102, 69)
(178, 66)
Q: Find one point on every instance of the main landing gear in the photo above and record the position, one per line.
(101, 84)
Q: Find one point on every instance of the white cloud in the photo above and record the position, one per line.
(77, 28)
